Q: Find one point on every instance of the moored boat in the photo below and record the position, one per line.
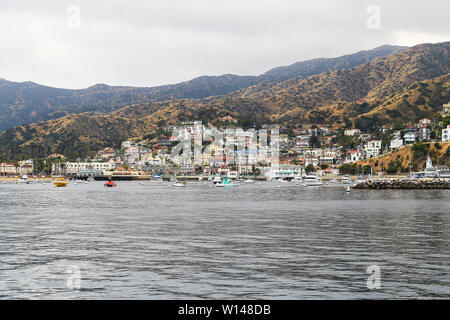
(23, 179)
(312, 181)
(60, 182)
(110, 184)
(180, 184)
(225, 184)
(346, 180)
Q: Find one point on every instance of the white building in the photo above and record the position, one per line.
(352, 156)
(395, 144)
(126, 144)
(446, 134)
(373, 148)
(409, 137)
(77, 167)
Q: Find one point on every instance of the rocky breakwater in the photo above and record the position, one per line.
(379, 184)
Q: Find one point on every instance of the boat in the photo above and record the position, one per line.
(348, 189)
(110, 184)
(217, 180)
(60, 182)
(346, 180)
(23, 179)
(180, 184)
(312, 180)
(249, 181)
(225, 184)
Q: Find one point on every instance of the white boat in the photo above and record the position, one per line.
(180, 184)
(249, 181)
(311, 181)
(346, 180)
(23, 179)
(217, 179)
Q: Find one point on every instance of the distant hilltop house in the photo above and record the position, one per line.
(446, 110)
(228, 118)
(56, 156)
(106, 154)
(424, 122)
(352, 132)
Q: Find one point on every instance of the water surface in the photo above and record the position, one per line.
(154, 241)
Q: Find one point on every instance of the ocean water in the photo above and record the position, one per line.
(268, 241)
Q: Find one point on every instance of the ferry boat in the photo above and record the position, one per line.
(60, 182)
(312, 180)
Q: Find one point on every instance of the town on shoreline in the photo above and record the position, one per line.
(390, 150)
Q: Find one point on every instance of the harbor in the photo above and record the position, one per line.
(263, 241)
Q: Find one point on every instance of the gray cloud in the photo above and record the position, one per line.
(166, 41)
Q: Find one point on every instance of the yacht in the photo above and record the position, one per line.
(346, 180)
(217, 179)
(23, 179)
(311, 180)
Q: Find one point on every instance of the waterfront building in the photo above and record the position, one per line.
(8, 168)
(430, 170)
(72, 168)
(443, 171)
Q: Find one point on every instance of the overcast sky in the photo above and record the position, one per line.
(169, 41)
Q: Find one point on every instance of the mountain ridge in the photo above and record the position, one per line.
(28, 102)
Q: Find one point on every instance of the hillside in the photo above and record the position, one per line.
(395, 88)
(375, 79)
(28, 102)
(398, 161)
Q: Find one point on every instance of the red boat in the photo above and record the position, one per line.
(110, 184)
